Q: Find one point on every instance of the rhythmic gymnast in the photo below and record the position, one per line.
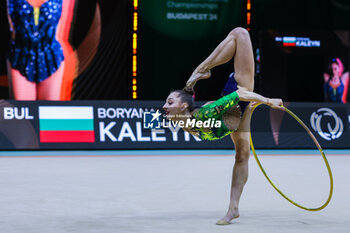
(336, 82)
(233, 109)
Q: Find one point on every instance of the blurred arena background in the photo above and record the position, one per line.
(86, 162)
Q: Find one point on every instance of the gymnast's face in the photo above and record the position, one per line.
(174, 106)
(335, 69)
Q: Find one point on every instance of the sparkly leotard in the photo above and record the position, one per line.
(218, 108)
(215, 111)
(334, 94)
(34, 51)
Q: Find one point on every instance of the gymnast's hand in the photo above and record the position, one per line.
(197, 75)
(275, 103)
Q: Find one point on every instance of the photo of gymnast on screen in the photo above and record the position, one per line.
(66, 50)
(336, 82)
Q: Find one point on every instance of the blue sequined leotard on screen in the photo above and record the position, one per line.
(334, 94)
(34, 51)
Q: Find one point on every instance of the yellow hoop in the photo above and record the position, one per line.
(319, 148)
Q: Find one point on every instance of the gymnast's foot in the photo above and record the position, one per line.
(198, 74)
(227, 219)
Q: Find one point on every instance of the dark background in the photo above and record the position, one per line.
(296, 73)
(166, 59)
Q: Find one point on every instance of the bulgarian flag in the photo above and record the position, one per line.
(289, 41)
(66, 124)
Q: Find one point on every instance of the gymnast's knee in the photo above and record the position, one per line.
(242, 156)
(239, 32)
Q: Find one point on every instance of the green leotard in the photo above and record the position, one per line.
(215, 111)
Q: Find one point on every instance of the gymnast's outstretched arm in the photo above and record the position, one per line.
(245, 95)
(223, 104)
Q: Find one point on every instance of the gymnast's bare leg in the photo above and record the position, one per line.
(236, 45)
(19, 87)
(50, 88)
(240, 168)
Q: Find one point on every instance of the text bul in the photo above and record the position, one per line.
(17, 113)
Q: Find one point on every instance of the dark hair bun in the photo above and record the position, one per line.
(188, 90)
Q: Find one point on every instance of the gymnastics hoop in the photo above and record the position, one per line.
(319, 148)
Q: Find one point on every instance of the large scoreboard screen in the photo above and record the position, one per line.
(298, 65)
